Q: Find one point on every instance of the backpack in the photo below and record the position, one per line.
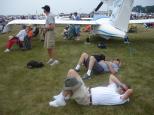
(99, 57)
(34, 64)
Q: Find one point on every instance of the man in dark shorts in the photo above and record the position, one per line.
(97, 64)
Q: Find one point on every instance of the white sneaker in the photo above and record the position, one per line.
(7, 50)
(54, 62)
(57, 103)
(50, 61)
(57, 96)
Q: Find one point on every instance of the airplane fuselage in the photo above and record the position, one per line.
(107, 30)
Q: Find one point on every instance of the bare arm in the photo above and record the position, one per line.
(127, 94)
(51, 26)
(110, 67)
(114, 79)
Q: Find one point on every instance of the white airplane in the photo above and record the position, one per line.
(109, 27)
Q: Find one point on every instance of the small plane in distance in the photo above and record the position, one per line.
(106, 27)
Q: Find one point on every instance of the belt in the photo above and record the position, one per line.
(90, 98)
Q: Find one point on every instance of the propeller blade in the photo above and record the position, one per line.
(98, 7)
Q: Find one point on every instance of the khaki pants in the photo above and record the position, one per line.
(49, 39)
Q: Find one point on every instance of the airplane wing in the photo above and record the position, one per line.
(26, 21)
(80, 22)
(141, 21)
(42, 22)
(57, 21)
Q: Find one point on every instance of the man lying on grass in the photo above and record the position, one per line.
(97, 64)
(115, 93)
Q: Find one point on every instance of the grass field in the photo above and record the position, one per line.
(27, 92)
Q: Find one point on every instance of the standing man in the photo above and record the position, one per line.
(49, 42)
(77, 27)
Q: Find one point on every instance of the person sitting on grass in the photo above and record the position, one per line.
(18, 39)
(97, 64)
(28, 38)
(115, 93)
(65, 33)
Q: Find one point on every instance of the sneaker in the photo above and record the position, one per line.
(57, 103)
(7, 50)
(126, 42)
(57, 96)
(77, 70)
(54, 62)
(86, 76)
(50, 61)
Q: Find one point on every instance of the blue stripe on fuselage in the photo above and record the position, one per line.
(105, 33)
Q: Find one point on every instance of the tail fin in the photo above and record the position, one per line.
(121, 14)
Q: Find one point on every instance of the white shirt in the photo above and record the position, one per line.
(21, 35)
(106, 95)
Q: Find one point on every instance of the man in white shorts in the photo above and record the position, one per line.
(115, 93)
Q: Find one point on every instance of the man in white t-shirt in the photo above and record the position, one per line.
(18, 39)
(115, 93)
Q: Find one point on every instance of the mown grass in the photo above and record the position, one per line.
(27, 92)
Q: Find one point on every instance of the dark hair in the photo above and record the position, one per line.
(46, 8)
(23, 26)
(118, 60)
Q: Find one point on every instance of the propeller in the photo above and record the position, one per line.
(98, 7)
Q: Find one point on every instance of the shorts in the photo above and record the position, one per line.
(49, 41)
(96, 68)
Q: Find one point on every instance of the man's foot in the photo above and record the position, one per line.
(50, 61)
(7, 50)
(77, 70)
(126, 42)
(86, 76)
(57, 103)
(55, 62)
(57, 96)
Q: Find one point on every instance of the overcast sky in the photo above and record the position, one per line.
(13, 7)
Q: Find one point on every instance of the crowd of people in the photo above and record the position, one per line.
(115, 93)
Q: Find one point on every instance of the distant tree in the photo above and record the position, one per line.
(138, 9)
(146, 9)
(149, 9)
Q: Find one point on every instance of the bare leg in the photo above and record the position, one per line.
(50, 52)
(87, 75)
(65, 94)
(83, 57)
(91, 62)
(73, 73)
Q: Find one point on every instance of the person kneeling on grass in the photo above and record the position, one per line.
(115, 93)
(97, 64)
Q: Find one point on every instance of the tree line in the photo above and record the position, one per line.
(141, 9)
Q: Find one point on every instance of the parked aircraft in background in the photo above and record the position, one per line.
(107, 27)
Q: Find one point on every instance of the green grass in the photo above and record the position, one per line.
(27, 92)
